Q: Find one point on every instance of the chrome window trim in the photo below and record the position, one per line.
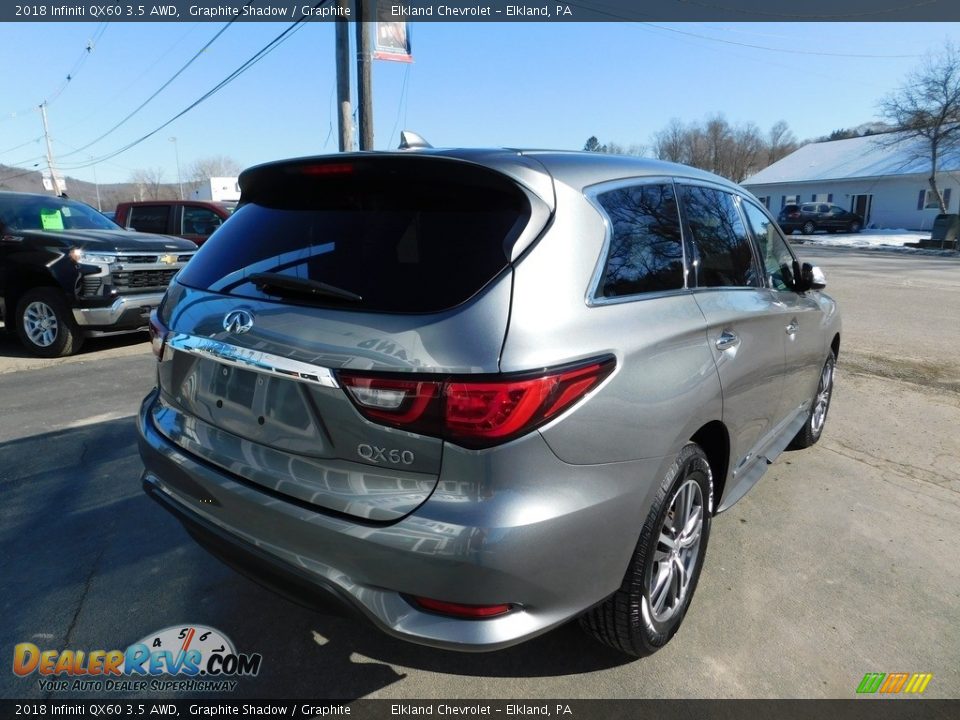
(255, 360)
(591, 193)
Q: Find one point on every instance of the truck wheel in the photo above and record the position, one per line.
(45, 325)
(642, 616)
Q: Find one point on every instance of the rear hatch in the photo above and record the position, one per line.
(383, 263)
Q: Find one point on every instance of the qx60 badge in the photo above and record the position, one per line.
(238, 321)
(372, 453)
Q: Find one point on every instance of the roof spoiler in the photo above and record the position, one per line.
(409, 140)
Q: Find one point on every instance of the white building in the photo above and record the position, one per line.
(218, 189)
(886, 184)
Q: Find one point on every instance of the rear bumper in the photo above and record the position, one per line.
(554, 543)
(126, 313)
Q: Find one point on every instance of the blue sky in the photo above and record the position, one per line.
(473, 84)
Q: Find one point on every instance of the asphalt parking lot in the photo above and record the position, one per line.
(841, 561)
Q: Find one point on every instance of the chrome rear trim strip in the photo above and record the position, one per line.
(255, 360)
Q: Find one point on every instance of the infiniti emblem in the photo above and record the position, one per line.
(238, 321)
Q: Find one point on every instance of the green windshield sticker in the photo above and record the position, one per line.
(51, 219)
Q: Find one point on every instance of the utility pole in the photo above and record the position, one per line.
(57, 188)
(345, 117)
(364, 80)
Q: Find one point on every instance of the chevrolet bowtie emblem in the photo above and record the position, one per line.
(168, 259)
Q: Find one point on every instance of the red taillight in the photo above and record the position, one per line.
(474, 413)
(476, 612)
(793, 215)
(158, 335)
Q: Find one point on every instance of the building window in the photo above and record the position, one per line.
(822, 197)
(764, 200)
(790, 200)
(928, 200)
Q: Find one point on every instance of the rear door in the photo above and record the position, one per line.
(744, 327)
(153, 218)
(413, 257)
(197, 223)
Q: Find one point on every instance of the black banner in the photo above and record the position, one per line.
(485, 11)
(862, 709)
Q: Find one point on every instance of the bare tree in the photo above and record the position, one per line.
(925, 112)
(205, 168)
(780, 142)
(670, 143)
(734, 151)
(612, 148)
(149, 183)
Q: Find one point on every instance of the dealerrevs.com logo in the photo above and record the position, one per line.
(893, 683)
(201, 658)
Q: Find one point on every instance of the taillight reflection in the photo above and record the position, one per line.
(158, 335)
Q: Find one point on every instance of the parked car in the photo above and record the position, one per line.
(67, 272)
(476, 394)
(808, 218)
(194, 220)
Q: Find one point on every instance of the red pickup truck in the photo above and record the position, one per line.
(191, 219)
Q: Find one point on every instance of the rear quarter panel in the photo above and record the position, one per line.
(665, 386)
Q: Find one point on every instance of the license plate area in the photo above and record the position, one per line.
(266, 409)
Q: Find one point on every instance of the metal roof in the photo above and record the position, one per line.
(861, 157)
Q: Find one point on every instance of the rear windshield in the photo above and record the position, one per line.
(405, 235)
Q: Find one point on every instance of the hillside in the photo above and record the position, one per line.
(20, 180)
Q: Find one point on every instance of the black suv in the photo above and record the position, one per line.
(813, 216)
(67, 272)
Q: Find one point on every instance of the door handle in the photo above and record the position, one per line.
(793, 327)
(728, 339)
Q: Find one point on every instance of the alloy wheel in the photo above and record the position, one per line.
(676, 553)
(40, 323)
(822, 402)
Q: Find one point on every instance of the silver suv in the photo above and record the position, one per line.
(477, 393)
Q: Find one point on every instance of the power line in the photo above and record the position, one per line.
(71, 74)
(242, 68)
(79, 63)
(124, 90)
(601, 9)
(162, 87)
(789, 51)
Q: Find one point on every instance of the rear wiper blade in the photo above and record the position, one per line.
(277, 284)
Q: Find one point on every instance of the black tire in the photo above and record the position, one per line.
(61, 338)
(813, 428)
(627, 620)
(809, 228)
(854, 227)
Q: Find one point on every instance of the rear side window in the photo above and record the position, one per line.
(407, 235)
(149, 218)
(724, 255)
(199, 221)
(646, 249)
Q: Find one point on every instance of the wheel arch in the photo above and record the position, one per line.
(26, 279)
(714, 439)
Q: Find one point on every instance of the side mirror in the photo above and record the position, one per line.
(813, 277)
